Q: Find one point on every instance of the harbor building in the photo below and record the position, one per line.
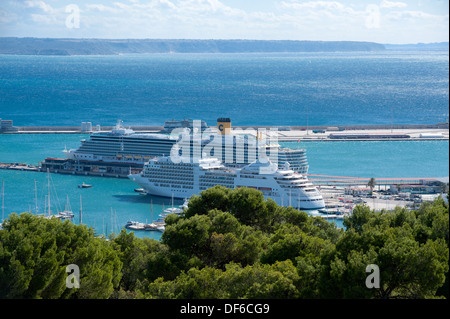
(86, 127)
(6, 126)
(169, 126)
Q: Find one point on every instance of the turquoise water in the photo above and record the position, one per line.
(111, 202)
(377, 158)
(252, 89)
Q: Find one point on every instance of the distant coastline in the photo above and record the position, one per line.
(50, 46)
(438, 46)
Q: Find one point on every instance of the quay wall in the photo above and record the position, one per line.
(330, 128)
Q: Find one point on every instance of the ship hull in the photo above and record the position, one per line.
(311, 203)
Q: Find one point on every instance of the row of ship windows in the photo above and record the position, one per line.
(178, 171)
(213, 178)
(224, 175)
(131, 140)
(128, 142)
(174, 166)
(292, 182)
(139, 142)
(154, 180)
(128, 147)
(239, 153)
(230, 185)
(99, 150)
(257, 176)
(294, 186)
(174, 185)
(159, 174)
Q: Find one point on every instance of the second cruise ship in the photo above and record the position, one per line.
(181, 179)
(121, 150)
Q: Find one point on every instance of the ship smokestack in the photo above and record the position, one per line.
(224, 125)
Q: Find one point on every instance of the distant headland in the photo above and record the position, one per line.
(53, 46)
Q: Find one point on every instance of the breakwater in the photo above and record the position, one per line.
(281, 128)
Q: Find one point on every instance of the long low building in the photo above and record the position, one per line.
(368, 136)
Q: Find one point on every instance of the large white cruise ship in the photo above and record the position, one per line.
(183, 178)
(122, 146)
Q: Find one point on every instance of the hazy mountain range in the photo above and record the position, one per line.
(42, 46)
(58, 46)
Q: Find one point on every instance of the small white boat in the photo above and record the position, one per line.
(67, 213)
(139, 190)
(135, 225)
(151, 226)
(171, 210)
(185, 204)
(84, 185)
(64, 215)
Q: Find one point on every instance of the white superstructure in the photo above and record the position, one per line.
(182, 179)
(123, 146)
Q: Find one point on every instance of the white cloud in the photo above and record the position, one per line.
(39, 4)
(390, 4)
(102, 8)
(282, 19)
(331, 5)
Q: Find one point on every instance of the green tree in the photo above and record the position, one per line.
(289, 242)
(360, 216)
(34, 253)
(217, 197)
(251, 282)
(408, 268)
(371, 184)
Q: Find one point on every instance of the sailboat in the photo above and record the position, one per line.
(171, 210)
(3, 205)
(47, 197)
(3, 201)
(152, 225)
(67, 213)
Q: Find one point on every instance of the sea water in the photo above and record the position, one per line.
(252, 89)
(111, 202)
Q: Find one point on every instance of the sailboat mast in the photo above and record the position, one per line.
(3, 200)
(290, 198)
(48, 185)
(81, 211)
(112, 224)
(151, 211)
(35, 198)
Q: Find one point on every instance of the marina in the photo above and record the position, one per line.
(218, 150)
(371, 125)
(121, 193)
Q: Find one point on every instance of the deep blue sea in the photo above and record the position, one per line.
(252, 89)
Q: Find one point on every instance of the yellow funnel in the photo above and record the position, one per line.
(223, 126)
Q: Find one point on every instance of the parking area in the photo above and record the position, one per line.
(336, 198)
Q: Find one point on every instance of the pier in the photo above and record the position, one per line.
(439, 131)
(20, 167)
(329, 180)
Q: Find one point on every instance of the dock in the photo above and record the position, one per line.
(20, 167)
(439, 131)
(153, 226)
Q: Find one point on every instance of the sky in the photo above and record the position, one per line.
(382, 21)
